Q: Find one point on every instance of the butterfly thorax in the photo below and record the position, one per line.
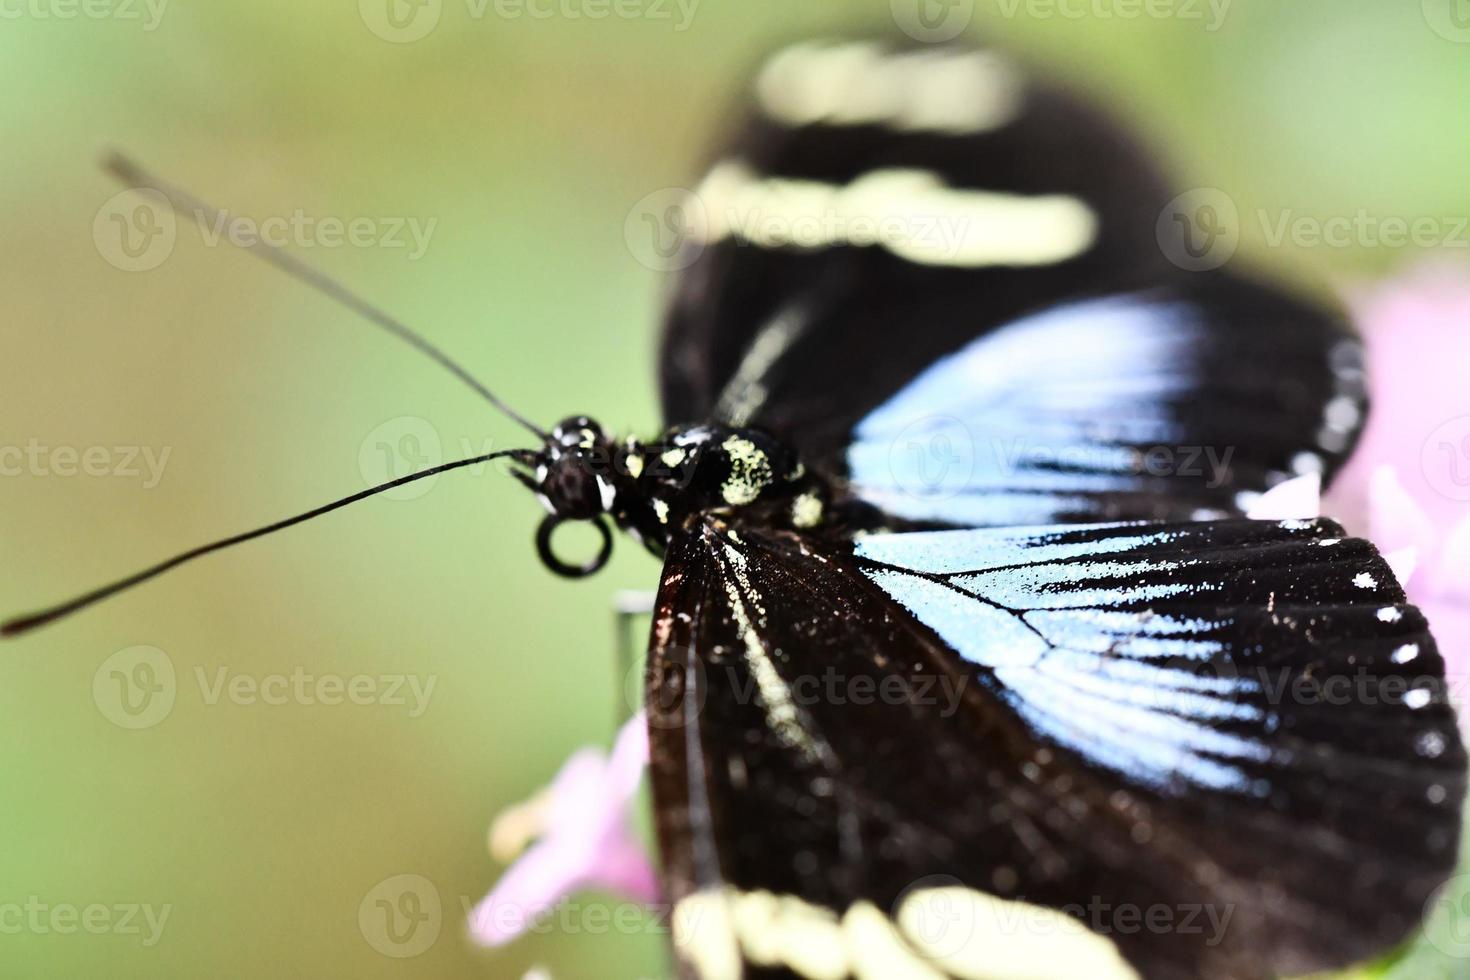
(651, 488)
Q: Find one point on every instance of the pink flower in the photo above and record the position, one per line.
(1407, 487)
(583, 840)
(1417, 331)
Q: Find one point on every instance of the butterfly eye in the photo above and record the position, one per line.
(577, 432)
(574, 487)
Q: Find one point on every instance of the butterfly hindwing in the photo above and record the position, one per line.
(1240, 723)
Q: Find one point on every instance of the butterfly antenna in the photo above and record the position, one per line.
(189, 206)
(24, 624)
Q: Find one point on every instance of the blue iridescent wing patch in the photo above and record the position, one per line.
(1165, 653)
(1142, 405)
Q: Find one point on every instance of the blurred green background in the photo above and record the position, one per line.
(526, 142)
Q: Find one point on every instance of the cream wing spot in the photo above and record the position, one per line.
(983, 938)
(704, 935)
(878, 952)
(785, 931)
(987, 938)
(911, 213)
(956, 91)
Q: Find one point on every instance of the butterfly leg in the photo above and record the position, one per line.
(628, 605)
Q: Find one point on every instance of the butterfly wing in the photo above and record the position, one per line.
(925, 270)
(1223, 748)
(1169, 404)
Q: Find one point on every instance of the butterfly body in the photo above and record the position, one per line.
(652, 488)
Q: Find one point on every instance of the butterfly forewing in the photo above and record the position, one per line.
(781, 228)
(1236, 729)
(978, 322)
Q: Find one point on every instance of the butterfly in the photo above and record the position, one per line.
(966, 660)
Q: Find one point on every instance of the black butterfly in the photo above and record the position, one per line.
(964, 662)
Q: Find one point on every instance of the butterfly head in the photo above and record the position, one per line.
(573, 477)
(573, 474)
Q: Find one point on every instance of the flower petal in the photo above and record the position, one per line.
(1417, 345)
(1403, 562)
(528, 891)
(1449, 579)
(1299, 499)
(1395, 519)
(587, 840)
